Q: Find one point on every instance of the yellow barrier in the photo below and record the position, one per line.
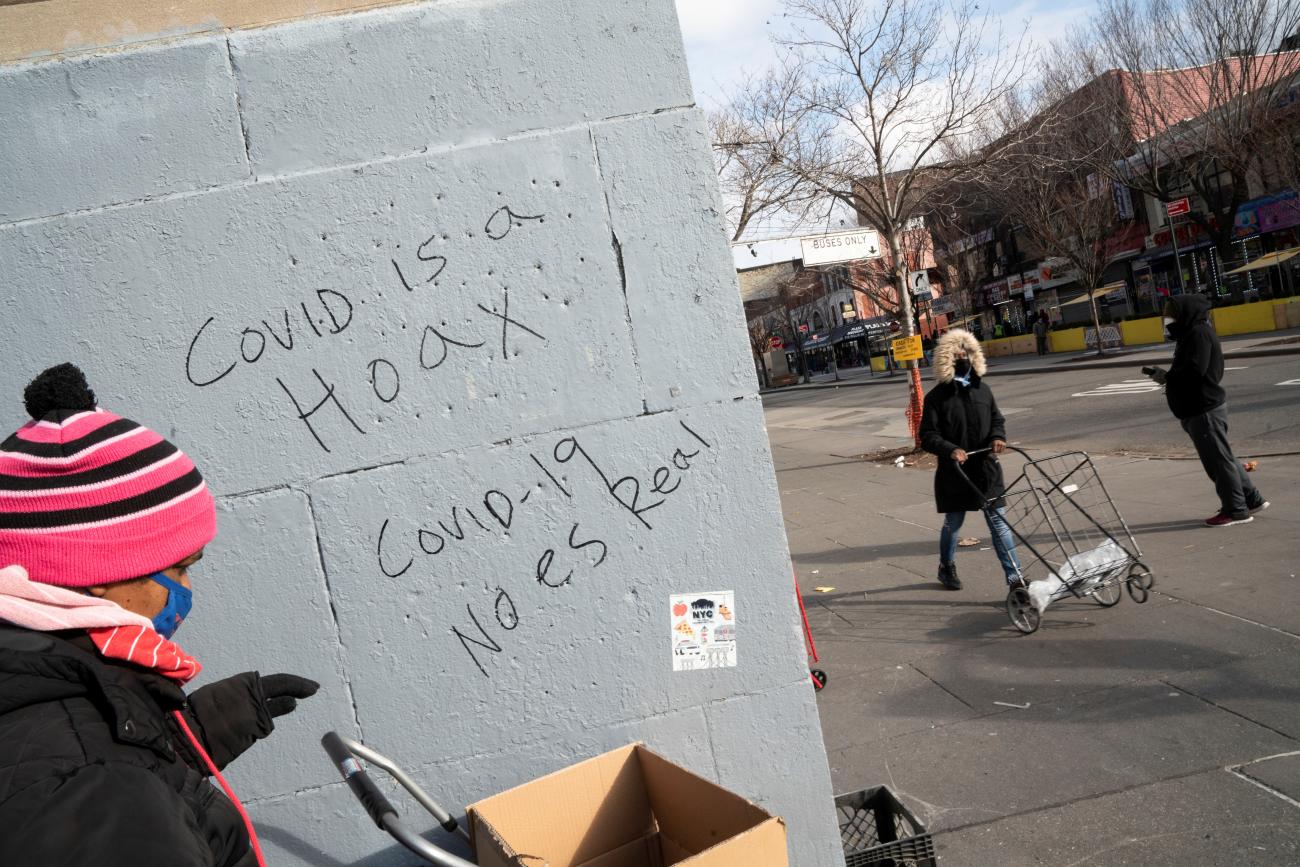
(1024, 344)
(1244, 318)
(1139, 332)
(1069, 340)
(997, 347)
(1287, 314)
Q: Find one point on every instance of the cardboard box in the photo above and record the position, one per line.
(627, 808)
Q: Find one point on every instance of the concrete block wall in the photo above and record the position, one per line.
(437, 298)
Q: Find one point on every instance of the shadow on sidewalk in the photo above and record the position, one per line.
(888, 551)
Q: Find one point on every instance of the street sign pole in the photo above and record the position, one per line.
(1175, 209)
(1178, 262)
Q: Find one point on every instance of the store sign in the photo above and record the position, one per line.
(996, 293)
(1267, 214)
(907, 348)
(971, 241)
(1123, 201)
(840, 247)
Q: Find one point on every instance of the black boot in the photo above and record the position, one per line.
(948, 576)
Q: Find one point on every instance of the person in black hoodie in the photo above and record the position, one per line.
(961, 416)
(104, 759)
(1198, 401)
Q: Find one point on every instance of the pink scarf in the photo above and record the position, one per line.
(117, 633)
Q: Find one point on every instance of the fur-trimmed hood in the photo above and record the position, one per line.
(945, 354)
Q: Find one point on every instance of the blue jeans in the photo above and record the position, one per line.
(1003, 542)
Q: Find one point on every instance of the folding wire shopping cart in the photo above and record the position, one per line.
(1060, 512)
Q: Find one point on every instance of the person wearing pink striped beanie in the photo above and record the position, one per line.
(103, 753)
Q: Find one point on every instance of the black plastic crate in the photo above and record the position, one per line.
(877, 829)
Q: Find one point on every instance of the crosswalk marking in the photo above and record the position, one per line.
(1128, 386)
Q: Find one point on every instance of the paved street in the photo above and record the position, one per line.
(1164, 733)
(1106, 411)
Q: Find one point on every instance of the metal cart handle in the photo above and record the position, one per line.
(346, 755)
(970, 454)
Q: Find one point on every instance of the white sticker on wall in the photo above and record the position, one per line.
(703, 630)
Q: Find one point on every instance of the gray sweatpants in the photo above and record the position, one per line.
(1209, 433)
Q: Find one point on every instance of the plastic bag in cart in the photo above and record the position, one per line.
(1097, 564)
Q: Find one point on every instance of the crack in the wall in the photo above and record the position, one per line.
(352, 472)
(252, 492)
(341, 648)
(289, 796)
(618, 258)
(617, 247)
(239, 107)
(355, 165)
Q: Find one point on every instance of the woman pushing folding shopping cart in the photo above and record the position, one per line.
(1059, 511)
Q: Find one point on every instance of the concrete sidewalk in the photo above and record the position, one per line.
(1264, 344)
(1141, 734)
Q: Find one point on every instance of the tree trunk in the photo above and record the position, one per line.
(798, 345)
(1096, 321)
(915, 400)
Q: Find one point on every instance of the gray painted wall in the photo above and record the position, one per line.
(481, 241)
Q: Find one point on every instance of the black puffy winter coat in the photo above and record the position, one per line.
(94, 771)
(963, 417)
(1192, 382)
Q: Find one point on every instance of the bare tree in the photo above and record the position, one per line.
(786, 295)
(1056, 183)
(894, 96)
(1199, 94)
(748, 134)
(760, 341)
(955, 251)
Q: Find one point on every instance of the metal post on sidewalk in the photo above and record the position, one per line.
(1178, 263)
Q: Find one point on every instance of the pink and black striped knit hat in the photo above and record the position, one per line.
(88, 497)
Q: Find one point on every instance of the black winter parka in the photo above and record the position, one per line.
(1192, 383)
(94, 771)
(963, 417)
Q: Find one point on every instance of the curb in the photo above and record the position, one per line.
(1058, 367)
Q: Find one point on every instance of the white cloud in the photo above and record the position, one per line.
(724, 40)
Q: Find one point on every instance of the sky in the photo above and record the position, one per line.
(725, 38)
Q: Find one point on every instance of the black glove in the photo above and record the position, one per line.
(282, 692)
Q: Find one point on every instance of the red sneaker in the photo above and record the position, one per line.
(1223, 519)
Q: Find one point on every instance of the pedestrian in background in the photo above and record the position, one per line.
(960, 416)
(1199, 402)
(1041, 327)
(104, 759)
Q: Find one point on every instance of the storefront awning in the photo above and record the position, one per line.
(1266, 261)
(814, 341)
(1095, 293)
(848, 332)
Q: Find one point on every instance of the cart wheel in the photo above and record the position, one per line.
(1108, 594)
(1141, 574)
(819, 679)
(1137, 592)
(1021, 610)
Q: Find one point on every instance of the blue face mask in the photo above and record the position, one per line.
(179, 601)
